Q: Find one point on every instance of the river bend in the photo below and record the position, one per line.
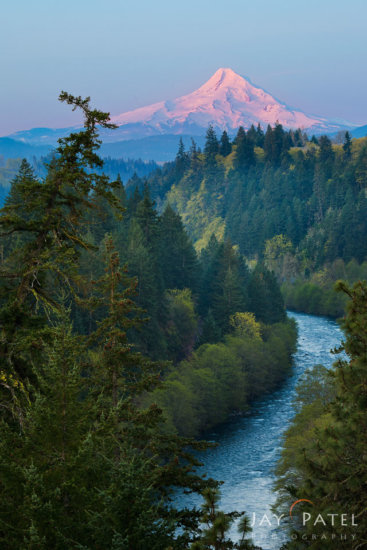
(249, 446)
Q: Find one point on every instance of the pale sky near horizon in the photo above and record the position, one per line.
(126, 54)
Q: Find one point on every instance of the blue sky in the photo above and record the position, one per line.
(126, 54)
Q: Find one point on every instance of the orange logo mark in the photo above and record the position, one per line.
(297, 501)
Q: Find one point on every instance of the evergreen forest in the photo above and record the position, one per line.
(295, 203)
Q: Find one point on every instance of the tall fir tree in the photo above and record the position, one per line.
(265, 298)
(182, 159)
(347, 146)
(245, 154)
(178, 261)
(225, 147)
(211, 148)
(48, 216)
(259, 136)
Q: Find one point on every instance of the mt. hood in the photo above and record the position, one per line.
(227, 101)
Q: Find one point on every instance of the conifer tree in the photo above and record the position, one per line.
(135, 195)
(278, 143)
(229, 297)
(298, 138)
(182, 159)
(241, 134)
(361, 169)
(265, 298)
(211, 332)
(245, 154)
(252, 134)
(314, 140)
(41, 500)
(325, 157)
(25, 176)
(147, 218)
(143, 263)
(347, 146)
(211, 148)
(216, 525)
(182, 324)
(225, 282)
(268, 144)
(195, 163)
(193, 148)
(177, 255)
(259, 136)
(48, 216)
(208, 260)
(225, 146)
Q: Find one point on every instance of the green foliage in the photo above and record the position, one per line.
(313, 193)
(216, 524)
(347, 146)
(211, 148)
(47, 219)
(71, 482)
(125, 168)
(311, 298)
(245, 324)
(265, 299)
(177, 255)
(182, 324)
(316, 295)
(225, 147)
(158, 251)
(245, 153)
(224, 283)
(276, 247)
(223, 378)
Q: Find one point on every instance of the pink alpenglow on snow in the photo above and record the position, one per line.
(227, 101)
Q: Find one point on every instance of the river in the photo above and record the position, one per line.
(249, 446)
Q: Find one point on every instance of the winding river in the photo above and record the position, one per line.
(249, 446)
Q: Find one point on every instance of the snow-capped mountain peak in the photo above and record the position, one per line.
(227, 101)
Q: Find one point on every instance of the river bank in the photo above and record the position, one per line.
(223, 379)
(307, 297)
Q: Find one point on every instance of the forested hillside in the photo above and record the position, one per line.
(300, 204)
(126, 169)
(201, 309)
